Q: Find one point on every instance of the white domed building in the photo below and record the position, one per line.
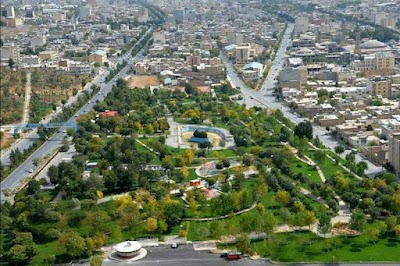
(128, 251)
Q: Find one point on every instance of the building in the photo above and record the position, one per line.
(38, 40)
(85, 12)
(301, 25)
(179, 15)
(80, 68)
(128, 249)
(8, 51)
(394, 151)
(242, 53)
(100, 56)
(252, 71)
(379, 63)
(159, 37)
(379, 86)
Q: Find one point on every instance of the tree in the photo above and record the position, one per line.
(11, 62)
(319, 157)
(397, 230)
(18, 254)
(284, 134)
(283, 197)
(309, 218)
(361, 167)
(243, 244)
(216, 229)
(339, 149)
(358, 220)
(151, 225)
(304, 129)
(372, 233)
(324, 224)
(73, 243)
(189, 156)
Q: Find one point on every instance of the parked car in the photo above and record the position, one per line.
(174, 245)
(234, 256)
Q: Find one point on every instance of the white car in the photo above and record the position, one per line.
(30, 171)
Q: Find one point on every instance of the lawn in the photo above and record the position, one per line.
(329, 167)
(307, 247)
(43, 251)
(298, 166)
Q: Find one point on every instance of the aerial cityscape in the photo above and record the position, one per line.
(181, 132)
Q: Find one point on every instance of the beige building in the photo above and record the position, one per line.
(242, 53)
(381, 61)
(10, 51)
(379, 86)
(99, 56)
(394, 151)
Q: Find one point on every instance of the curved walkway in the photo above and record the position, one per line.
(221, 217)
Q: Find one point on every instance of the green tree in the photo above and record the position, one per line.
(358, 220)
(319, 157)
(339, 149)
(304, 129)
(73, 244)
(283, 197)
(11, 62)
(324, 224)
(243, 244)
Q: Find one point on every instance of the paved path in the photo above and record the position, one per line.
(221, 217)
(28, 90)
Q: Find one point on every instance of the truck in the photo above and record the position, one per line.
(234, 256)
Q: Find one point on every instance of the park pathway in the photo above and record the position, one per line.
(28, 91)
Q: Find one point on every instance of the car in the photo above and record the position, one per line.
(30, 171)
(223, 255)
(76, 115)
(85, 110)
(174, 245)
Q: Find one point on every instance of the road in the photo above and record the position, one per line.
(265, 98)
(184, 255)
(12, 182)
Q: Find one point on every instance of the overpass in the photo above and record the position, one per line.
(16, 128)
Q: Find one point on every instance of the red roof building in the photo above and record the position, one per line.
(108, 113)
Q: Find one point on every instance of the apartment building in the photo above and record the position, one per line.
(8, 51)
(377, 62)
(394, 150)
(100, 56)
(379, 86)
(242, 53)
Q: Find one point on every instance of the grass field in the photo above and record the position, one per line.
(298, 166)
(307, 247)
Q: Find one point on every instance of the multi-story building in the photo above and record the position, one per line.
(242, 53)
(394, 150)
(100, 56)
(10, 51)
(379, 86)
(381, 61)
(80, 68)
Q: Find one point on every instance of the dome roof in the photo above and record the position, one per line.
(370, 44)
(128, 246)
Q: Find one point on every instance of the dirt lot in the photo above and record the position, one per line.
(215, 138)
(143, 81)
(6, 141)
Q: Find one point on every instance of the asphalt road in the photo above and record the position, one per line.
(265, 98)
(22, 172)
(184, 255)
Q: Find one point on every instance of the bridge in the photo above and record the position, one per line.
(16, 128)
